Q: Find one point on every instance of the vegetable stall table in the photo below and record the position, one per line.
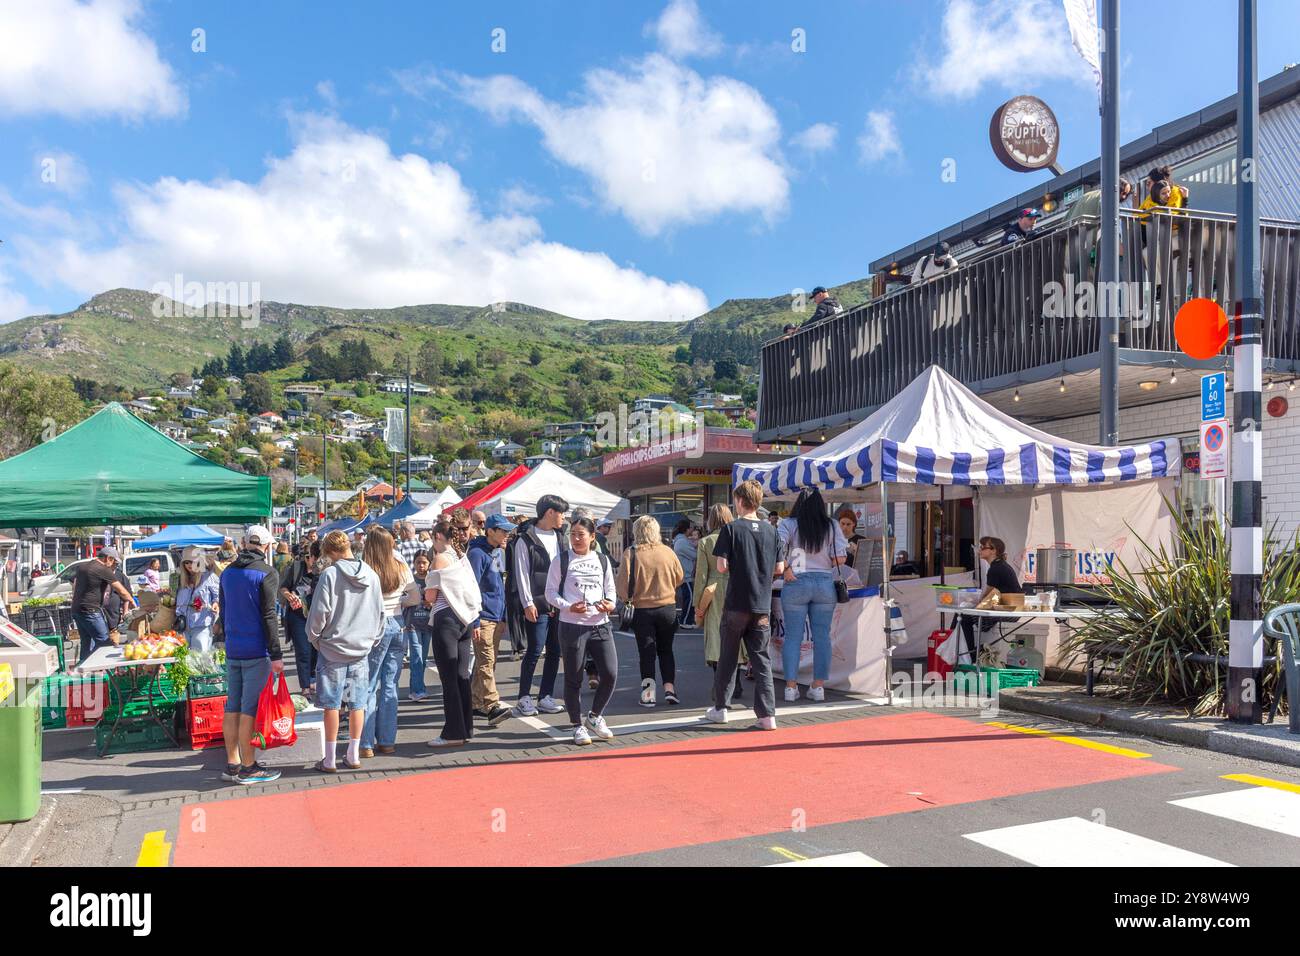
(130, 680)
(1011, 620)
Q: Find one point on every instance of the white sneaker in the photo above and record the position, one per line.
(598, 727)
(647, 692)
(715, 716)
(817, 693)
(547, 705)
(525, 707)
(416, 697)
(766, 723)
(581, 737)
(791, 694)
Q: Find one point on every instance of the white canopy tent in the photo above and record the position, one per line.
(937, 440)
(548, 478)
(429, 514)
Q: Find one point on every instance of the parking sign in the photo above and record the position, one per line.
(1214, 400)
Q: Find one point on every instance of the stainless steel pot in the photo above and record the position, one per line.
(1055, 565)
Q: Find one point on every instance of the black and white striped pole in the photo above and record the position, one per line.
(1245, 629)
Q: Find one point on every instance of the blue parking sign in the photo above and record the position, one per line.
(1214, 401)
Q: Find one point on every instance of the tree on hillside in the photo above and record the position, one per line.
(181, 379)
(260, 358)
(575, 398)
(283, 352)
(213, 368)
(429, 361)
(34, 407)
(495, 357)
(683, 354)
(535, 357)
(235, 361)
(258, 396)
(725, 369)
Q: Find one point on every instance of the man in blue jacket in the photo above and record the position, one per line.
(247, 617)
(482, 554)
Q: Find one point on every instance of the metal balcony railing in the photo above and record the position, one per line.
(1005, 311)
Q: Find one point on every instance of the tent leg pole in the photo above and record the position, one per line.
(884, 590)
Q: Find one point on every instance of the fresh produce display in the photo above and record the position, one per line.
(167, 601)
(190, 663)
(153, 646)
(300, 703)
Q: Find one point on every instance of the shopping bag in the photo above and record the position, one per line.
(941, 651)
(273, 725)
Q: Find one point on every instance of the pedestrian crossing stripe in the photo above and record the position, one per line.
(1262, 781)
(1074, 841)
(853, 858)
(1068, 739)
(1265, 807)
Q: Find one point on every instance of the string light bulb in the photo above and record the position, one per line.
(1291, 387)
(1173, 377)
(1062, 388)
(1016, 397)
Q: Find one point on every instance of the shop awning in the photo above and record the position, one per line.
(114, 469)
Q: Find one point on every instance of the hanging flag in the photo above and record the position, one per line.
(1082, 17)
(395, 429)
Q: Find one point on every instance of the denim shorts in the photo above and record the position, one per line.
(346, 682)
(244, 683)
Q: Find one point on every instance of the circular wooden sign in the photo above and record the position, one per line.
(1277, 406)
(1024, 134)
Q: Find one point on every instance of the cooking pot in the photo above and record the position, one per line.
(1055, 565)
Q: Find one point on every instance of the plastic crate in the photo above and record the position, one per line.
(133, 735)
(139, 708)
(163, 692)
(207, 685)
(53, 718)
(203, 717)
(1000, 678)
(55, 641)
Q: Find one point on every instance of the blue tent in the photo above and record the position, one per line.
(347, 525)
(399, 512)
(180, 536)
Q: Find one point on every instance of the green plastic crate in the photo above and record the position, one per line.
(56, 641)
(207, 685)
(133, 735)
(163, 692)
(1000, 678)
(53, 718)
(138, 708)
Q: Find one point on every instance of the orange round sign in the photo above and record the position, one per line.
(1201, 328)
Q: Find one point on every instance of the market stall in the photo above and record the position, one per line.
(936, 440)
(426, 516)
(548, 478)
(492, 489)
(179, 536)
(402, 511)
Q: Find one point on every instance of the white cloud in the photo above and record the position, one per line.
(879, 139)
(663, 145)
(13, 304)
(343, 221)
(682, 32)
(81, 59)
(1009, 43)
(59, 170)
(522, 200)
(325, 90)
(817, 138)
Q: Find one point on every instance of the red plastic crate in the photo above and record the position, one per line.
(86, 704)
(203, 718)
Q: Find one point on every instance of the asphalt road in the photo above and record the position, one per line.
(847, 782)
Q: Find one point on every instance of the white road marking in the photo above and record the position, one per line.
(854, 858)
(1263, 807)
(1074, 841)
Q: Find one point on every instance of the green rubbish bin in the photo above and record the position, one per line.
(20, 747)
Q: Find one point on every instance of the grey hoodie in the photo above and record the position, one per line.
(347, 611)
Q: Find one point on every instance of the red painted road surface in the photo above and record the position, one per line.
(597, 805)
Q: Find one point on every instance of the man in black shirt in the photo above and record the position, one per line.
(92, 580)
(749, 551)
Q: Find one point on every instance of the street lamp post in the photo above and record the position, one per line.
(1108, 263)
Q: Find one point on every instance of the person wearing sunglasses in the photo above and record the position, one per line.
(1000, 576)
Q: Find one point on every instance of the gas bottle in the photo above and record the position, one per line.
(1024, 655)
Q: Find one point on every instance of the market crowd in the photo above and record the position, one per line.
(356, 610)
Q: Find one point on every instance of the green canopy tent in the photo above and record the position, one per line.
(114, 469)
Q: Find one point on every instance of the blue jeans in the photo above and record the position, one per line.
(545, 632)
(808, 598)
(385, 666)
(304, 655)
(417, 646)
(93, 630)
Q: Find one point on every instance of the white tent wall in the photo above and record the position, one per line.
(549, 478)
(429, 514)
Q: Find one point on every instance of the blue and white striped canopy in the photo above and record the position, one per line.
(937, 432)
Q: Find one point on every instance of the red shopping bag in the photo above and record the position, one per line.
(273, 726)
(941, 652)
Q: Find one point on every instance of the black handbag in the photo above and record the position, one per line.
(627, 611)
(841, 589)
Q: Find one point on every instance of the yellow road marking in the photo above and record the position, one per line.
(154, 849)
(788, 854)
(1262, 781)
(1076, 741)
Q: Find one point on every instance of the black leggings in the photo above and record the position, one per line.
(655, 628)
(454, 655)
(577, 641)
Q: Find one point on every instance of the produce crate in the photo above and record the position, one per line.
(164, 692)
(138, 708)
(1000, 678)
(53, 718)
(55, 641)
(203, 718)
(78, 700)
(134, 735)
(207, 685)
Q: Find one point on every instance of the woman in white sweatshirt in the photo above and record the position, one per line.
(453, 595)
(580, 583)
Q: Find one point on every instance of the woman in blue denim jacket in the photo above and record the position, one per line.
(196, 600)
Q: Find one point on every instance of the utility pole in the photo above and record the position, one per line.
(325, 473)
(1245, 628)
(408, 426)
(295, 509)
(1108, 263)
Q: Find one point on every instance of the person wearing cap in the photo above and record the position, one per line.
(247, 617)
(1020, 230)
(827, 306)
(935, 263)
(482, 554)
(197, 599)
(94, 579)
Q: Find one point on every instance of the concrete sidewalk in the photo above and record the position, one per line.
(1270, 742)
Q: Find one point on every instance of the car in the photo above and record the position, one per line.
(60, 585)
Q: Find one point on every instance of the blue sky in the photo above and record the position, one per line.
(608, 160)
